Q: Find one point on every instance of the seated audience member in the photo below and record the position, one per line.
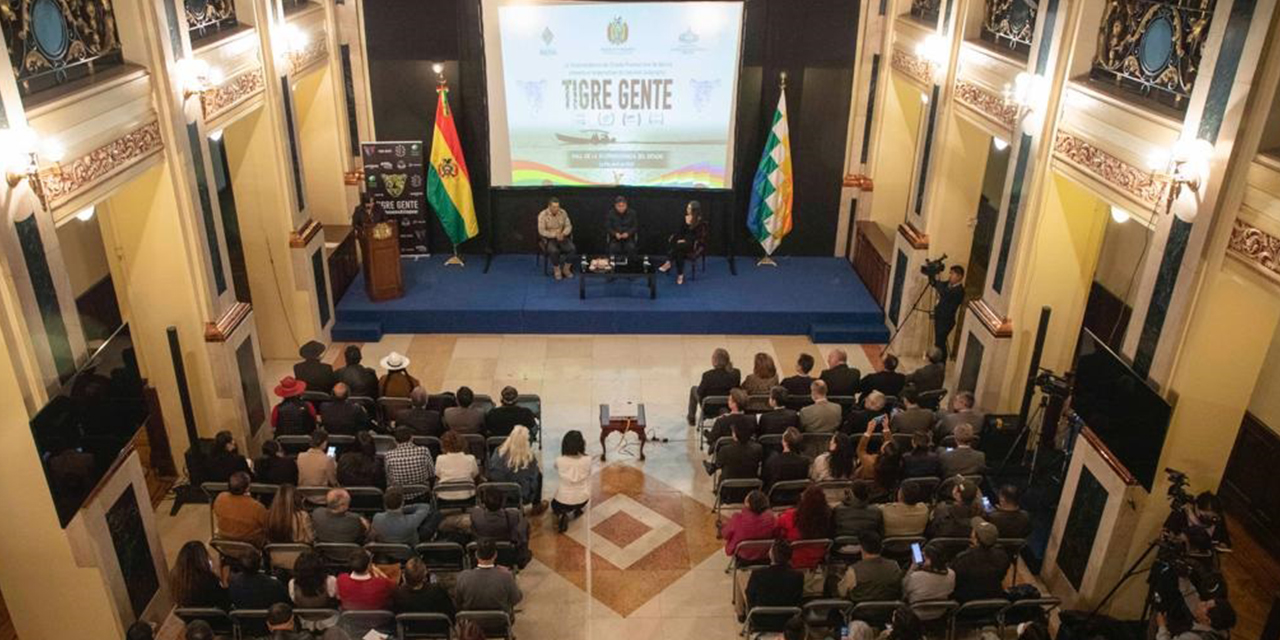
(365, 587)
(318, 375)
(904, 625)
(798, 385)
(795, 629)
(360, 380)
(316, 468)
(954, 519)
(360, 466)
(874, 409)
(492, 520)
(287, 520)
(963, 460)
(193, 582)
(274, 467)
(931, 376)
(1007, 515)
(887, 381)
(873, 577)
(140, 630)
(420, 420)
(716, 381)
(574, 468)
(763, 377)
(237, 515)
(488, 587)
(506, 416)
(808, 520)
(855, 515)
(725, 424)
(281, 624)
(226, 459)
(980, 569)
(409, 463)
(396, 382)
(754, 522)
(1212, 619)
(293, 416)
(777, 585)
(837, 462)
(922, 461)
(884, 466)
(313, 588)
(334, 522)
(929, 580)
(418, 594)
(788, 464)
(913, 417)
(962, 412)
(737, 459)
(908, 516)
(250, 588)
(398, 524)
(515, 462)
(344, 416)
(464, 418)
(455, 465)
(823, 416)
(778, 418)
(841, 379)
(198, 630)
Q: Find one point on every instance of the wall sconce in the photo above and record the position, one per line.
(289, 43)
(1185, 168)
(1119, 215)
(935, 50)
(1029, 93)
(196, 76)
(20, 160)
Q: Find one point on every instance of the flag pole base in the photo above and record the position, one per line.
(455, 260)
(766, 262)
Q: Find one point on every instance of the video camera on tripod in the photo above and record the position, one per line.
(931, 268)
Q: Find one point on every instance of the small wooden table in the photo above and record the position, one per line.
(621, 425)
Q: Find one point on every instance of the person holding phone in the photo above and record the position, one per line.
(929, 579)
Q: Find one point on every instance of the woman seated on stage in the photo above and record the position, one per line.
(682, 242)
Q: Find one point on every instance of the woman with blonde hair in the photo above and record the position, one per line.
(515, 462)
(763, 378)
(287, 519)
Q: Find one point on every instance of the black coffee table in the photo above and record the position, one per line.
(637, 268)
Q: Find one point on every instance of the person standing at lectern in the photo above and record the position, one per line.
(367, 212)
(681, 243)
(622, 225)
(950, 298)
(555, 228)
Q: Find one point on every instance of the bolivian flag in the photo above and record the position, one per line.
(448, 184)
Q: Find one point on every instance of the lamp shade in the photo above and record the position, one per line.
(1186, 206)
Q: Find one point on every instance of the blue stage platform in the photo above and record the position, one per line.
(820, 297)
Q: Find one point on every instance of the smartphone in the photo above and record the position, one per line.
(844, 632)
(986, 503)
(333, 452)
(915, 553)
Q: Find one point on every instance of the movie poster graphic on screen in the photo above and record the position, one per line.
(394, 178)
(617, 93)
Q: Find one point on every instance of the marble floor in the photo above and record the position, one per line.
(644, 561)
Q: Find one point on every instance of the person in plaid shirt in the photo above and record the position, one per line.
(408, 463)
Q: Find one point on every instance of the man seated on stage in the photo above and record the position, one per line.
(622, 226)
(554, 227)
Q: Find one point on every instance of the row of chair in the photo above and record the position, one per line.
(711, 407)
(439, 557)
(818, 441)
(476, 443)
(247, 624)
(786, 493)
(385, 410)
(822, 615)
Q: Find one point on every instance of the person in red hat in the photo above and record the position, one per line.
(293, 416)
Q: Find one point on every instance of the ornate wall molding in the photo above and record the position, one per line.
(987, 103)
(316, 50)
(917, 68)
(235, 90)
(64, 180)
(1137, 182)
(1256, 248)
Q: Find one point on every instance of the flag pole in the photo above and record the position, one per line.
(456, 259)
(767, 260)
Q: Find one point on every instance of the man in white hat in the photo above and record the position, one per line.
(397, 383)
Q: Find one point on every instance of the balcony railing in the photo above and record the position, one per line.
(52, 42)
(926, 10)
(1151, 48)
(206, 18)
(1010, 24)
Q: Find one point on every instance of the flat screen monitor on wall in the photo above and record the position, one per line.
(1118, 405)
(612, 93)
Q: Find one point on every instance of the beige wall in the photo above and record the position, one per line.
(1265, 403)
(1122, 248)
(318, 126)
(954, 208)
(83, 253)
(895, 153)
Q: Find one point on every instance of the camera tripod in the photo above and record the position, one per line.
(915, 308)
(1132, 571)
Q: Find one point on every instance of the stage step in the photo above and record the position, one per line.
(351, 331)
(849, 333)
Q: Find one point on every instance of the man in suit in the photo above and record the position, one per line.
(931, 376)
(737, 459)
(841, 379)
(823, 416)
(777, 585)
(789, 464)
(725, 425)
(963, 460)
(318, 375)
(962, 412)
(342, 416)
(914, 417)
(503, 418)
(798, 385)
(887, 381)
(361, 380)
(716, 381)
(778, 418)
(421, 420)
(950, 299)
(622, 224)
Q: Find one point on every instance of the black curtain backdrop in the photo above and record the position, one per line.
(814, 41)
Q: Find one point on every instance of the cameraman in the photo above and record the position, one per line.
(1213, 619)
(1197, 521)
(950, 299)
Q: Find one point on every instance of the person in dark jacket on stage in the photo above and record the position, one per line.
(622, 224)
(682, 242)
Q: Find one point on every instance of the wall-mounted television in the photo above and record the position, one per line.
(87, 425)
(1128, 415)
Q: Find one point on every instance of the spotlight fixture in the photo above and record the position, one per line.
(1185, 170)
(1029, 94)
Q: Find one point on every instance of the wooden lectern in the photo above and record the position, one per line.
(380, 255)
